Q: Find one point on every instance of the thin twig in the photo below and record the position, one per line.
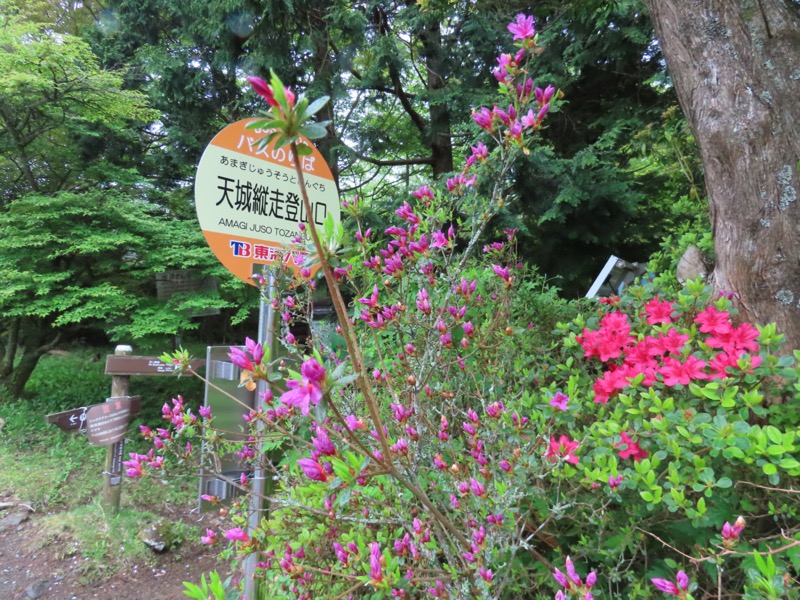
(771, 489)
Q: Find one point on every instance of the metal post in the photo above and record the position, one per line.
(258, 485)
(112, 476)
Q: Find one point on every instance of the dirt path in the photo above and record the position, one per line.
(30, 572)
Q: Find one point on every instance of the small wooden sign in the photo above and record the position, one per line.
(107, 423)
(143, 365)
(69, 420)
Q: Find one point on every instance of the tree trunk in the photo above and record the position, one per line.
(736, 68)
(10, 353)
(323, 72)
(440, 142)
(23, 371)
(36, 339)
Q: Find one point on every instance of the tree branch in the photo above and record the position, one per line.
(398, 162)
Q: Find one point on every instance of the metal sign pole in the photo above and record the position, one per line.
(266, 335)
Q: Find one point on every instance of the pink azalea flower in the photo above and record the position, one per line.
(522, 28)
(631, 450)
(732, 532)
(306, 391)
(713, 321)
(675, 372)
(301, 394)
(263, 89)
(559, 401)
(659, 311)
(423, 192)
(322, 443)
(502, 272)
(483, 118)
(240, 359)
(376, 570)
(562, 448)
(313, 469)
(673, 589)
(236, 535)
(209, 538)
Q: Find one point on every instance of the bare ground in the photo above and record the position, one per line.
(31, 570)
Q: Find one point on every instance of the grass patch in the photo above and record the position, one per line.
(54, 470)
(107, 543)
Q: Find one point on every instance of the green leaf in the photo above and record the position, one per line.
(733, 452)
(328, 227)
(774, 434)
(317, 105)
(789, 463)
(313, 131)
(277, 89)
(304, 150)
(724, 482)
(770, 469)
(341, 470)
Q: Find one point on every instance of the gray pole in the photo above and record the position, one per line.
(266, 335)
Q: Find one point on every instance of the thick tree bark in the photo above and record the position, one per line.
(736, 68)
(439, 129)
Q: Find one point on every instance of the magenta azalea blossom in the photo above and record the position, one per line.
(731, 532)
(522, 28)
(256, 350)
(631, 449)
(376, 570)
(237, 535)
(322, 443)
(306, 391)
(240, 359)
(313, 371)
(313, 469)
(483, 118)
(209, 538)
(559, 401)
(673, 589)
(562, 448)
(263, 89)
(301, 394)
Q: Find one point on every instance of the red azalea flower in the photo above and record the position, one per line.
(675, 372)
(632, 449)
(713, 321)
(562, 448)
(659, 311)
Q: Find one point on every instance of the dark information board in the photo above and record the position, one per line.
(143, 365)
(107, 423)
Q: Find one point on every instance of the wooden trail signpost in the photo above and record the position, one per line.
(106, 423)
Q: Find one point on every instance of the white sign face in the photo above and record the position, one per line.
(248, 200)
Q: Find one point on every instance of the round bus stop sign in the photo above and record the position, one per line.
(248, 200)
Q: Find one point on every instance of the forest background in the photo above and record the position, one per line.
(105, 115)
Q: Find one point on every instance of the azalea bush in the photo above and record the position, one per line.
(459, 445)
(687, 423)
